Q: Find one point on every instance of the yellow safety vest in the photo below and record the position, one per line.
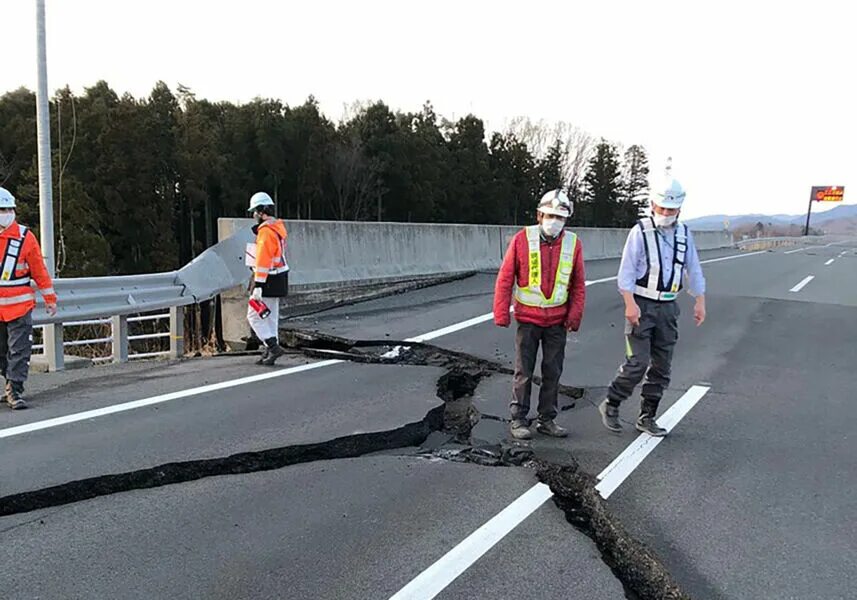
(532, 294)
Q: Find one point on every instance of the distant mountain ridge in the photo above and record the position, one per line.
(715, 222)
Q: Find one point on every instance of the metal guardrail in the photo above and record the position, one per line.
(776, 242)
(115, 355)
(118, 300)
(772, 241)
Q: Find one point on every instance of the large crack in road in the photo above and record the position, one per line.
(444, 432)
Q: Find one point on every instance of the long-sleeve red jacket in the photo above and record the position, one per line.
(515, 269)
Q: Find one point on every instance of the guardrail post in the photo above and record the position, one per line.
(119, 325)
(52, 338)
(176, 331)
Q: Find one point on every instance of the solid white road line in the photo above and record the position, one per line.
(803, 283)
(117, 408)
(793, 251)
(439, 575)
(126, 406)
(731, 256)
(830, 262)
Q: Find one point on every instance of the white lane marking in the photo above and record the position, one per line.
(394, 353)
(793, 251)
(445, 570)
(116, 408)
(843, 253)
(624, 464)
(803, 283)
(434, 580)
(126, 406)
(452, 328)
(730, 257)
(604, 280)
(830, 262)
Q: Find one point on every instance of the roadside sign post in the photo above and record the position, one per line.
(823, 193)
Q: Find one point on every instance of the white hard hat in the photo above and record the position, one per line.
(259, 199)
(556, 202)
(668, 194)
(7, 200)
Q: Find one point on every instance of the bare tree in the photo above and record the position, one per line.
(355, 179)
(351, 110)
(538, 136)
(577, 145)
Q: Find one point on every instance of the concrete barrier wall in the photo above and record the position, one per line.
(325, 254)
(322, 252)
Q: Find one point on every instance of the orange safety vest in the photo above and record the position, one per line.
(21, 262)
(270, 250)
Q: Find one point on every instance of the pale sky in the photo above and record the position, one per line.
(754, 100)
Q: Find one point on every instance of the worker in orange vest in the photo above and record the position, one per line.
(270, 276)
(22, 262)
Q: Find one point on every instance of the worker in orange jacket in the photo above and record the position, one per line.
(270, 276)
(22, 263)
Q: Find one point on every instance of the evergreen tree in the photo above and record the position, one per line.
(601, 187)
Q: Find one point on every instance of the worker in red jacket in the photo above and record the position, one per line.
(543, 269)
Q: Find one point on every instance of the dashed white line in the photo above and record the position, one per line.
(793, 251)
(624, 464)
(438, 576)
(830, 262)
(802, 284)
(445, 570)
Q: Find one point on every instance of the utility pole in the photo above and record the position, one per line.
(53, 333)
(43, 131)
(808, 213)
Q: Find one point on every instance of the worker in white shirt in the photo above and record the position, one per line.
(659, 255)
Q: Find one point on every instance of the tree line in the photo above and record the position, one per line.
(139, 183)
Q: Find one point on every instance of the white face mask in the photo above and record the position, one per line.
(6, 219)
(663, 220)
(552, 227)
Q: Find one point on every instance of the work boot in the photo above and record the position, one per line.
(263, 356)
(551, 429)
(646, 423)
(15, 395)
(520, 430)
(610, 416)
(273, 352)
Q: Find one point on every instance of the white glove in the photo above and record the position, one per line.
(256, 294)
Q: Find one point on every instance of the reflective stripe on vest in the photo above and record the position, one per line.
(532, 294)
(17, 299)
(8, 278)
(651, 285)
(280, 263)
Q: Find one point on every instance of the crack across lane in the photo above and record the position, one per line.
(574, 491)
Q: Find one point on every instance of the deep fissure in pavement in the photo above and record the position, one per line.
(642, 575)
(390, 352)
(350, 446)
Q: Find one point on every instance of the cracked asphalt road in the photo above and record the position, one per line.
(748, 498)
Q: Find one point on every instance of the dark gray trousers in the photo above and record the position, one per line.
(527, 341)
(16, 346)
(648, 352)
